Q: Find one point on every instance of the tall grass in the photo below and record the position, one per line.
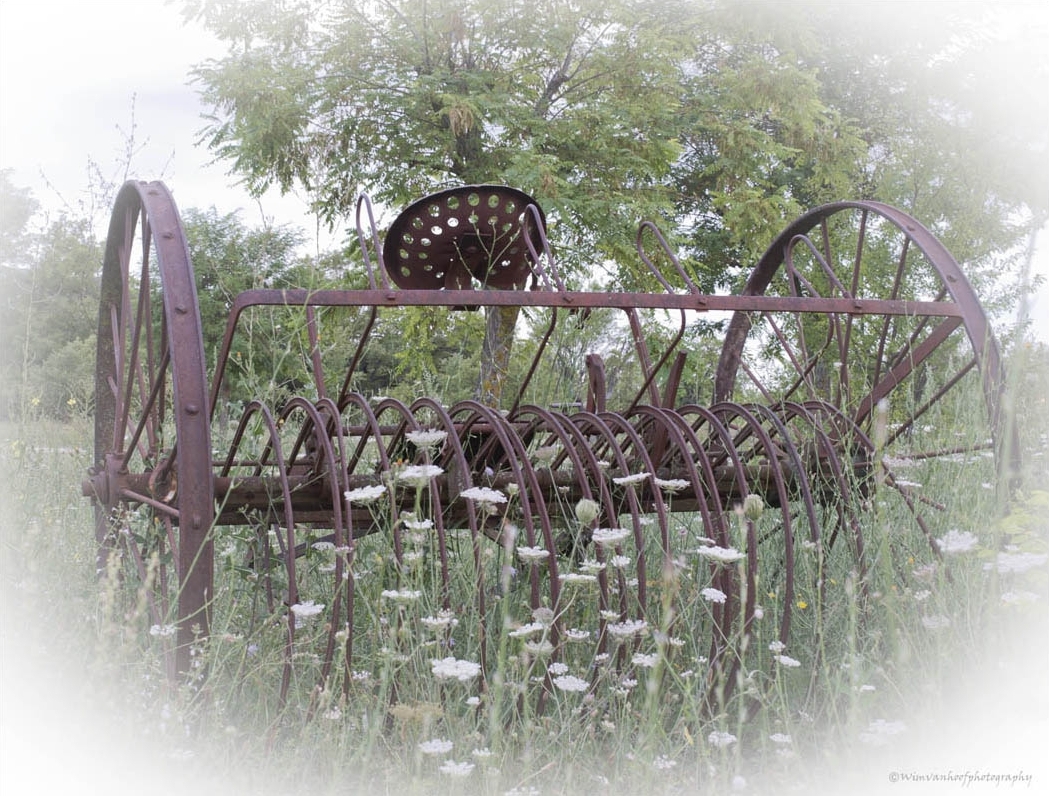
(872, 682)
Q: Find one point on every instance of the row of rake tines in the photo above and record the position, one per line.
(800, 458)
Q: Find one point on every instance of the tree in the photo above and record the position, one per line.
(722, 120)
(49, 295)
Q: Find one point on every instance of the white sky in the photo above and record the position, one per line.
(68, 72)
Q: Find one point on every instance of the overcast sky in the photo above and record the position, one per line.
(70, 72)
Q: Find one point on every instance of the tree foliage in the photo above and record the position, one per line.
(721, 119)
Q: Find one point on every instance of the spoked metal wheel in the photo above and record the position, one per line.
(908, 376)
(152, 480)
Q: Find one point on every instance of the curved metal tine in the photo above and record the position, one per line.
(644, 359)
(532, 217)
(364, 202)
(358, 354)
(662, 241)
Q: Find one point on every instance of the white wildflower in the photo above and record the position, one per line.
(527, 630)
(631, 627)
(1016, 563)
(365, 494)
(724, 555)
(545, 456)
(413, 524)
(426, 438)
(540, 648)
(713, 595)
(452, 769)
(787, 661)
(779, 738)
(401, 595)
(483, 495)
(481, 754)
(633, 478)
(577, 578)
(672, 484)
(591, 567)
(721, 739)
(452, 669)
(777, 647)
(436, 746)
(957, 542)
(569, 682)
(307, 609)
(442, 621)
(419, 475)
(663, 763)
(608, 537)
(619, 562)
(532, 553)
(575, 634)
(557, 668)
(645, 661)
(162, 631)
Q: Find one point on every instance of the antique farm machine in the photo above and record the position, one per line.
(808, 441)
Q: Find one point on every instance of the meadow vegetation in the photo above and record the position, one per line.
(863, 690)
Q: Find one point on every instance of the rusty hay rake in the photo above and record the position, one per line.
(854, 332)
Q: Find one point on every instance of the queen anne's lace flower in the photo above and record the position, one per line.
(524, 631)
(436, 746)
(724, 555)
(608, 537)
(630, 627)
(452, 669)
(452, 769)
(787, 661)
(483, 495)
(426, 438)
(713, 595)
(672, 484)
(402, 595)
(633, 478)
(442, 621)
(306, 609)
(578, 578)
(957, 542)
(645, 661)
(365, 494)
(721, 739)
(569, 682)
(419, 475)
(532, 553)
(1016, 563)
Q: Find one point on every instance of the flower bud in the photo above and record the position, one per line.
(753, 506)
(586, 511)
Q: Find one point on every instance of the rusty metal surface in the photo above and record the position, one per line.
(141, 347)
(801, 437)
(450, 238)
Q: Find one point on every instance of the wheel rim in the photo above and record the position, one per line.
(152, 437)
